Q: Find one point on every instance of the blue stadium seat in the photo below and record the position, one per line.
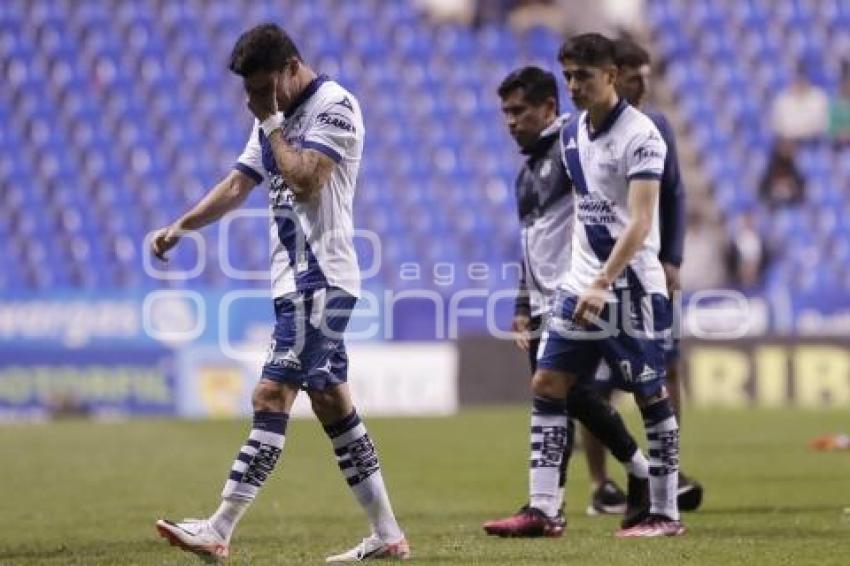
(144, 115)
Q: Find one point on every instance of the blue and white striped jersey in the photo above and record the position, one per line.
(312, 242)
(601, 164)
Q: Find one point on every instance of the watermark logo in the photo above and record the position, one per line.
(453, 295)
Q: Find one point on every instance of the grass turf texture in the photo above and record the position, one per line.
(88, 493)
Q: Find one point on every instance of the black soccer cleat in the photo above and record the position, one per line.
(689, 495)
(637, 502)
(607, 499)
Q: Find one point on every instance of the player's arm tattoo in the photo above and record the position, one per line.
(643, 196)
(306, 170)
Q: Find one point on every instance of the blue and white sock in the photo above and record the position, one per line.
(662, 432)
(358, 461)
(254, 463)
(550, 448)
(565, 462)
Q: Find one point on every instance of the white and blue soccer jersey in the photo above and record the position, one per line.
(312, 242)
(601, 164)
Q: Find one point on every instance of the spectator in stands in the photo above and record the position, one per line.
(782, 184)
(448, 11)
(705, 240)
(801, 111)
(747, 256)
(839, 109)
(492, 12)
(528, 14)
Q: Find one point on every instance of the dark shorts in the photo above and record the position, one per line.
(307, 347)
(633, 348)
(672, 352)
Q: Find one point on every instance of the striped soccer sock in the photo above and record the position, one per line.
(254, 463)
(358, 461)
(662, 432)
(550, 448)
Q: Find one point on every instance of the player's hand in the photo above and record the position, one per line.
(263, 102)
(674, 282)
(521, 327)
(163, 240)
(591, 302)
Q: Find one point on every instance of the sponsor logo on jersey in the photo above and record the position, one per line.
(280, 194)
(591, 210)
(648, 153)
(335, 120)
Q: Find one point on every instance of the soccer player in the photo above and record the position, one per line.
(306, 142)
(612, 304)
(633, 73)
(545, 203)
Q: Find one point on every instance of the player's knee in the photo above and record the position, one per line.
(330, 405)
(268, 396)
(553, 385)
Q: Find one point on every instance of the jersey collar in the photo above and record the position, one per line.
(609, 120)
(549, 134)
(305, 95)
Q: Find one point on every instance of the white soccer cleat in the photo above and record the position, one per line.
(373, 548)
(194, 535)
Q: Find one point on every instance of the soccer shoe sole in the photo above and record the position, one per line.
(650, 533)
(401, 551)
(504, 533)
(208, 555)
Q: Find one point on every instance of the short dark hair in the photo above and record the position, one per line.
(630, 54)
(266, 47)
(537, 85)
(591, 49)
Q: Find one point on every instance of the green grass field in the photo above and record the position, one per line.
(88, 493)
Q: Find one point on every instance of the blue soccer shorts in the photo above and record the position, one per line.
(631, 342)
(307, 348)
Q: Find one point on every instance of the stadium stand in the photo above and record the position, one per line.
(119, 114)
(727, 60)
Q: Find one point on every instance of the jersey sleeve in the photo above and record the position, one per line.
(336, 129)
(562, 145)
(671, 203)
(645, 154)
(250, 162)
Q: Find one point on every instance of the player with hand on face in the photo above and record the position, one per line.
(306, 142)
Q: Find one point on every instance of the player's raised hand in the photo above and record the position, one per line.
(263, 101)
(163, 240)
(591, 303)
